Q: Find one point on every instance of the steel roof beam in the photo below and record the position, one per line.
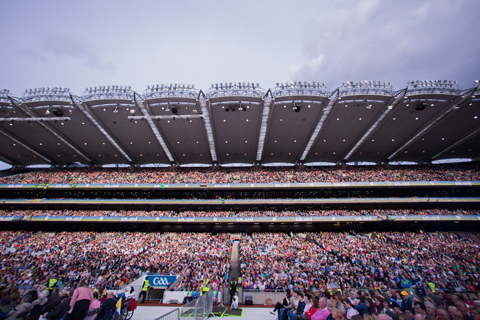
(318, 128)
(80, 105)
(148, 117)
(455, 106)
(267, 102)
(202, 100)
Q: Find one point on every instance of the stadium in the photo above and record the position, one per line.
(365, 190)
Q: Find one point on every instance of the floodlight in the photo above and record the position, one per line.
(421, 106)
(58, 112)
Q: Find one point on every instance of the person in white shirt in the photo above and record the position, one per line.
(350, 310)
(234, 305)
(353, 298)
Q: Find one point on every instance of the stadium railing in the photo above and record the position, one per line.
(172, 315)
(199, 308)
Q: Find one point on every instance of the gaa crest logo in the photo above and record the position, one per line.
(160, 281)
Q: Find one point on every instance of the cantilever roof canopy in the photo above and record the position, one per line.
(234, 123)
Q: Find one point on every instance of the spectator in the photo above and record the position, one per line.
(300, 308)
(22, 310)
(80, 302)
(350, 310)
(362, 306)
(279, 306)
(234, 305)
(95, 303)
(322, 313)
(62, 308)
(420, 310)
(407, 300)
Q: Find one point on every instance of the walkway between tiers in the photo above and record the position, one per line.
(234, 262)
(234, 270)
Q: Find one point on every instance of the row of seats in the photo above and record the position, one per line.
(459, 172)
(251, 213)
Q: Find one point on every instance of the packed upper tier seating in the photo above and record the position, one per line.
(464, 172)
(257, 213)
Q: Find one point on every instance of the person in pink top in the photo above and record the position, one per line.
(82, 297)
(94, 304)
(322, 312)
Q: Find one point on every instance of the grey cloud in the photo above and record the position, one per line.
(391, 41)
(75, 47)
(35, 54)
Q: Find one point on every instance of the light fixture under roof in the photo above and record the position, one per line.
(295, 88)
(433, 86)
(235, 89)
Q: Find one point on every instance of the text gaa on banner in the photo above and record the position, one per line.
(161, 281)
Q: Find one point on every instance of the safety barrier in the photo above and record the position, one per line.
(172, 315)
(200, 308)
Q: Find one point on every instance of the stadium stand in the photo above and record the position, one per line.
(377, 243)
(458, 172)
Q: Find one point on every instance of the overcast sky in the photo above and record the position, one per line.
(76, 44)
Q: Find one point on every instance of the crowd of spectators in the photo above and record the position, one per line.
(111, 259)
(379, 273)
(380, 276)
(200, 257)
(374, 212)
(206, 214)
(350, 262)
(371, 304)
(465, 172)
(250, 213)
(88, 213)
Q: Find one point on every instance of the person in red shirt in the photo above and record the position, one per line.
(310, 308)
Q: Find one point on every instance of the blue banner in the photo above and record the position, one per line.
(161, 281)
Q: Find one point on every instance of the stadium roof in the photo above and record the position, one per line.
(241, 123)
